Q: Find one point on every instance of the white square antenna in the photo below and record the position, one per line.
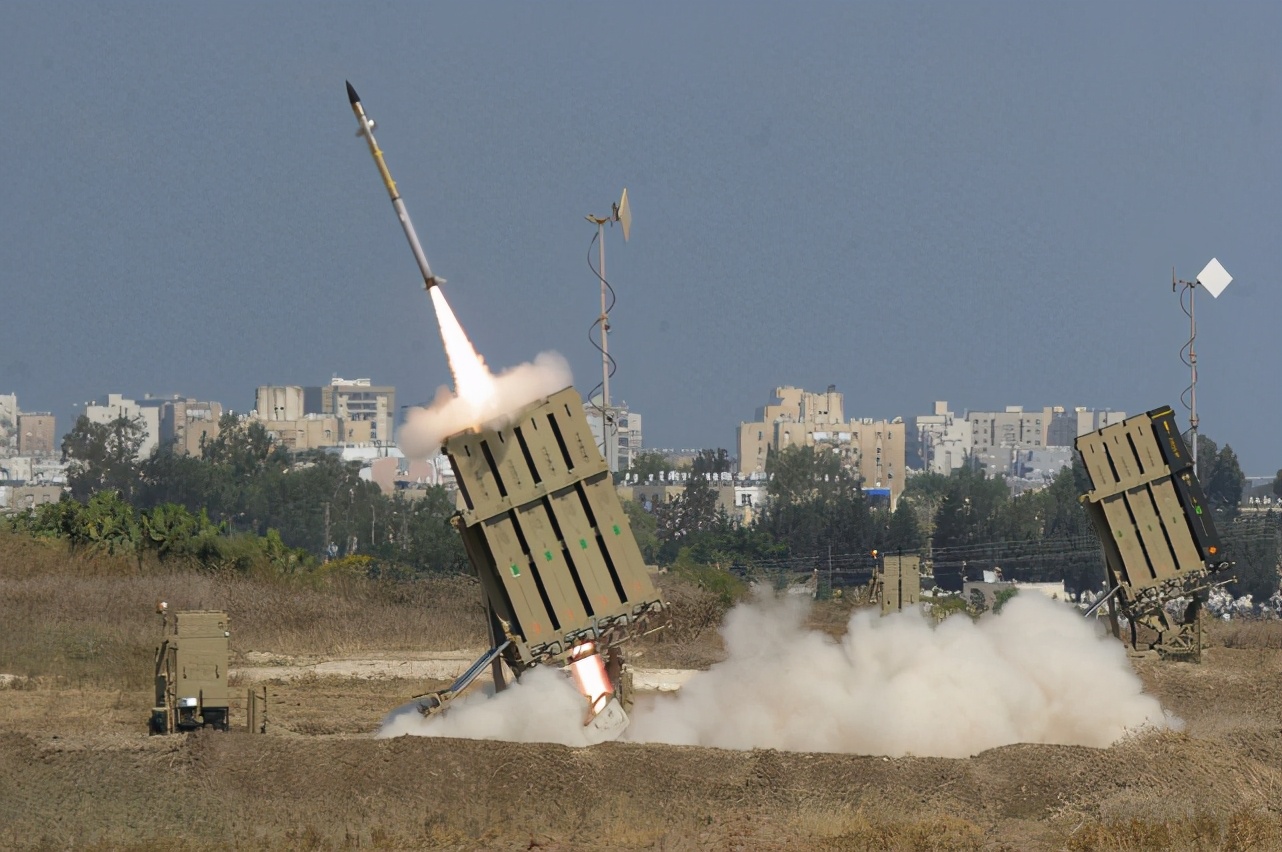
(1214, 278)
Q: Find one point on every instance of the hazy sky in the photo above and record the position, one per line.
(975, 202)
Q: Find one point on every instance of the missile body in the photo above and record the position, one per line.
(367, 130)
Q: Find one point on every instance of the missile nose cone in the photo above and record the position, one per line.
(351, 94)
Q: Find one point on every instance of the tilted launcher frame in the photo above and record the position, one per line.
(560, 571)
(1151, 516)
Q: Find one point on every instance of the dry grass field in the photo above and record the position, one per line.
(77, 769)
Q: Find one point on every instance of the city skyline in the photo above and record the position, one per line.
(288, 411)
(978, 204)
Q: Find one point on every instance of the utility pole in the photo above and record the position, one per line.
(325, 543)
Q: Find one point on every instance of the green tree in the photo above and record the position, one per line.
(243, 446)
(1224, 483)
(1251, 542)
(800, 474)
(904, 531)
(169, 529)
(816, 504)
(176, 478)
(432, 543)
(647, 464)
(106, 524)
(969, 508)
(644, 529)
(714, 462)
(690, 513)
(926, 491)
(1002, 596)
(103, 456)
(1061, 506)
(1277, 485)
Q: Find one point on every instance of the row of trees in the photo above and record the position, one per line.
(819, 518)
(244, 483)
(817, 515)
(107, 524)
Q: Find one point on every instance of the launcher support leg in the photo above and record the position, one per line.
(496, 639)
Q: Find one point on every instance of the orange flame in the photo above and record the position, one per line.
(473, 381)
(588, 670)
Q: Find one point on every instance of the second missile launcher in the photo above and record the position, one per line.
(1159, 539)
(563, 580)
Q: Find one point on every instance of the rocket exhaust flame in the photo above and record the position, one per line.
(473, 381)
(588, 670)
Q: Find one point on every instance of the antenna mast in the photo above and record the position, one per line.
(1213, 278)
(622, 214)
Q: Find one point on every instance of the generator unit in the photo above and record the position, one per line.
(562, 579)
(191, 672)
(1158, 537)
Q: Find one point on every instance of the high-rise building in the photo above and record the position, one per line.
(356, 401)
(624, 433)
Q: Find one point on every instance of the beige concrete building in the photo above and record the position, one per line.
(739, 498)
(146, 413)
(938, 442)
(1012, 428)
(356, 432)
(22, 498)
(37, 434)
(185, 424)
(795, 417)
(358, 401)
(344, 412)
(1065, 425)
(279, 402)
(311, 432)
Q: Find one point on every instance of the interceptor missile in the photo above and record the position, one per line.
(367, 130)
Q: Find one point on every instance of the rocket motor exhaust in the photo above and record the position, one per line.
(367, 130)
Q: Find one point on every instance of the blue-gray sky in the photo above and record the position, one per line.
(978, 202)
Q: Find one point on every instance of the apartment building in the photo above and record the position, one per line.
(187, 424)
(796, 417)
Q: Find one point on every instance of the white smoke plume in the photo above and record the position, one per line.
(513, 389)
(542, 707)
(1036, 673)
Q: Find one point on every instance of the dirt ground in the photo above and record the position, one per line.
(77, 770)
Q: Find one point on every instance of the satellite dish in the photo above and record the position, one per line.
(623, 214)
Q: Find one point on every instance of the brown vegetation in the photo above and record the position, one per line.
(92, 621)
(77, 769)
(1246, 634)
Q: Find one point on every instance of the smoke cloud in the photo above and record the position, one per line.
(542, 707)
(426, 428)
(1036, 673)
